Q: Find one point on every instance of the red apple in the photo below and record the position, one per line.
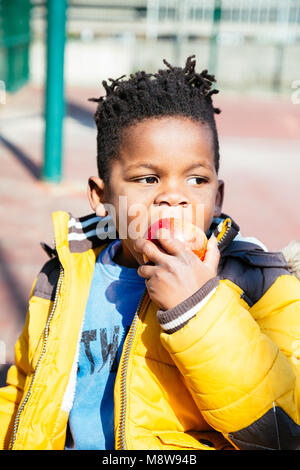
(179, 229)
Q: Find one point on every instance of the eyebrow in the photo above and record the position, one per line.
(137, 165)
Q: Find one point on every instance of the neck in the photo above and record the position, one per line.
(124, 258)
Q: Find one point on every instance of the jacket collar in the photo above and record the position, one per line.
(91, 231)
(225, 230)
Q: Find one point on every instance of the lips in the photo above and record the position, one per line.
(192, 236)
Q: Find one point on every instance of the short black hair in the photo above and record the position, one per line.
(174, 91)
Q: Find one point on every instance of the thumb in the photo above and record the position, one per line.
(212, 255)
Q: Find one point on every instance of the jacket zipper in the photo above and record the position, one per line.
(46, 334)
(225, 234)
(129, 341)
(128, 344)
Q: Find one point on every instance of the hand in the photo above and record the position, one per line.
(177, 272)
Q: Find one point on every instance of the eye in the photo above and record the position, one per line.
(197, 180)
(147, 179)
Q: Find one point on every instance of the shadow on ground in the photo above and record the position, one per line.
(17, 294)
(80, 113)
(31, 167)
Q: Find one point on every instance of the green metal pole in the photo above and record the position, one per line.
(54, 99)
(213, 49)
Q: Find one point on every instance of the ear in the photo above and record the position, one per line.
(96, 195)
(219, 199)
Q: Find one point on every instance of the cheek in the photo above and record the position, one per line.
(130, 217)
(203, 210)
(209, 212)
(139, 213)
(202, 216)
(208, 219)
(137, 220)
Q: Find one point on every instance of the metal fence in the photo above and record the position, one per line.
(241, 11)
(142, 13)
(234, 28)
(270, 25)
(14, 43)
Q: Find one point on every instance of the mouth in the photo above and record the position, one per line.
(167, 212)
(186, 232)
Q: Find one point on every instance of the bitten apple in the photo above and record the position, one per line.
(191, 235)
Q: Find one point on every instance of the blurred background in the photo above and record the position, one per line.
(54, 55)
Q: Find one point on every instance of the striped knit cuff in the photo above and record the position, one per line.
(175, 318)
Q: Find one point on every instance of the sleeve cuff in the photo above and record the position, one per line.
(175, 318)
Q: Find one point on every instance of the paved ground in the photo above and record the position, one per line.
(260, 152)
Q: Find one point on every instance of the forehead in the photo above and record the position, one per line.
(167, 141)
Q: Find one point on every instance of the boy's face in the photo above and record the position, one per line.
(165, 168)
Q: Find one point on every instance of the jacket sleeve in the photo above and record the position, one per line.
(241, 364)
(11, 394)
(28, 348)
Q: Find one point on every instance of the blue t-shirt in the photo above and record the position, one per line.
(113, 299)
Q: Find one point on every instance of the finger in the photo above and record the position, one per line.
(146, 271)
(171, 245)
(212, 256)
(149, 250)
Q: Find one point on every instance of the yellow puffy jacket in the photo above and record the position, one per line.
(220, 370)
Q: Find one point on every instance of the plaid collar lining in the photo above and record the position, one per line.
(91, 231)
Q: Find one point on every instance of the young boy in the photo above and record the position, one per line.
(175, 353)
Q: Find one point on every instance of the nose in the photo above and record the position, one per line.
(171, 195)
